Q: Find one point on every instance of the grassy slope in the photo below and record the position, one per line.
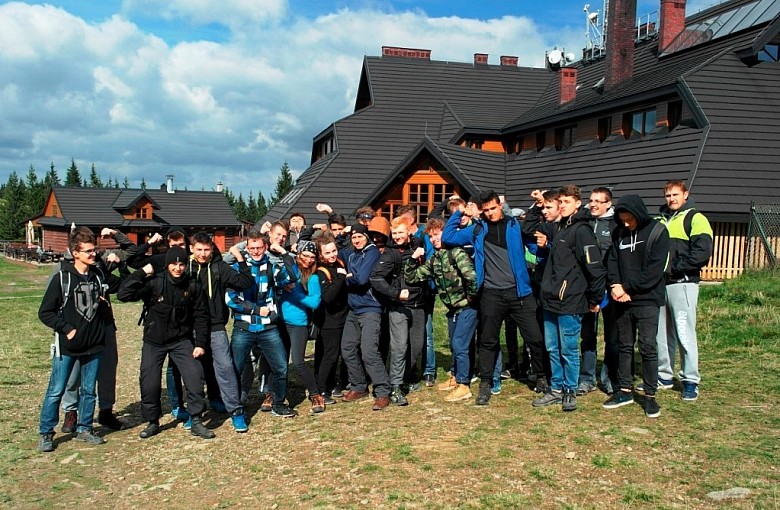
(428, 455)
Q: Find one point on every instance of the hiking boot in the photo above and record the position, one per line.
(107, 418)
(317, 403)
(381, 402)
(541, 385)
(89, 437)
(239, 421)
(218, 406)
(569, 401)
(69, 425)
(484, 394)
(397, 397)
(429, 380)
(551, 397)
(690, 392)
(496, 388)
(449, 384)
(200, 430)
(652, 409)
(283, 411)
(268, 403)
(46, 442)
(461, 392)
(180, 414)
(151, 430)
(619, 399)
(584, 388)
(353, 395)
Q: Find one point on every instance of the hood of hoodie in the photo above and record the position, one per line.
(636, 206)
(604, 217)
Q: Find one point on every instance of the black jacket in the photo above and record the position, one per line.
(216, 277)
(574, 275)
(388, 280)
(639, 268)
(333, 309)
(86, 308)
(173, 310)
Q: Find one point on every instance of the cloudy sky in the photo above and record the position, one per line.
(226, 90)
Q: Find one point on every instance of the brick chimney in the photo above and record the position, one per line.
(621, 21)
(567, 85)
(672, 22)
(507, 60)
(393, 51)
(480, 59)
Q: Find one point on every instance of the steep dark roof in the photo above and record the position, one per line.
(408, 97)
(96, 206)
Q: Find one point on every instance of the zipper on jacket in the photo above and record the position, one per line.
(563, 290)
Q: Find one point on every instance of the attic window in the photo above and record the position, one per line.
(293, 195)
(325, 147)
(541, 140)
(674, 114)
(473, 143)
(565, 137)
(604, 128)
(769, 53)
(642, 123)
(142, 213)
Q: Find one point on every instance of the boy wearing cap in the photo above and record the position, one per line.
(175, 315)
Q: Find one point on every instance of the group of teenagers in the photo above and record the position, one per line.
(365, 293)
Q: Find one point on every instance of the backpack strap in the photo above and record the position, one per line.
(64, 287)
(326, 272)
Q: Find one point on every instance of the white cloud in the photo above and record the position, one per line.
(111, 94)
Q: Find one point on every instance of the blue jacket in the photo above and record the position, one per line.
(297, 303)
(516, 242)
(360, 295)
(246, 304)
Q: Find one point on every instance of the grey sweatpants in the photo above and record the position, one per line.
(677, 327)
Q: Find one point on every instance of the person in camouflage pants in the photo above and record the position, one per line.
(452, 271)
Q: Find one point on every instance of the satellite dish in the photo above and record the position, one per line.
(555, 57)
(570, 57)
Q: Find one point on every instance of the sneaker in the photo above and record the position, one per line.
(151, 430)
(337, 392)
(107, 418)
(382, 402)
(69, 425)
(584, 388)
(665, 384)
(461, 392)
(46, 442)
(569, 401)
(690, 392)
(188, 424)
(352, 395)
(283, 411)
(496, 388)
(607, 388)
(200, 430)
(180, 414)
(89, 437)
(239, 422)
(218, 406)
(429, 380)
(483, 398)
(448, 385)
(411, 388)
(317, 403)
(506, 374)
(541, 385)
(652, 409)
(329, 400)
(397, 397)
(268, 403)
(618, 399)
(548, 399)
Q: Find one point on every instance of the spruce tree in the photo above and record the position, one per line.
(73, 177)
(94, 178)
(284, 183)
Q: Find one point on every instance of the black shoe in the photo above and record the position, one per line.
(397, 397)
(430, 380)
(652, 409)
(329, 400)
(569, 401)
(200, 430)
(541, 385)
(151, 430)
(283, 411)
(484, 394)
(107, 418)
(46, 443)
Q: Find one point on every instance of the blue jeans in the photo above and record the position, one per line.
(430, 352)
(61, 367)
(225, 371)
(106, 381)
(461, 326)
(562, 338)
(270, 344)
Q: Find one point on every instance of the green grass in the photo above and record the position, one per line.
(431, 454)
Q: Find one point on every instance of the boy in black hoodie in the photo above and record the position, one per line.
(76, 308)
(635, 274)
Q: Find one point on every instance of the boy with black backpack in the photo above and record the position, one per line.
(175, 316)
(76, 308)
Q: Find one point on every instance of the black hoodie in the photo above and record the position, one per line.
(639, 268)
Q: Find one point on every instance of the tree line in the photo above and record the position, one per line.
(24, 198)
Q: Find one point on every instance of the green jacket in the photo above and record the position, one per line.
(691, 236)
(452, 271)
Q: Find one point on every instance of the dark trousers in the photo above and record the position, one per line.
(327, 349)
(152, 359)
(360, 350)
(495, 307)
(641, 321)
